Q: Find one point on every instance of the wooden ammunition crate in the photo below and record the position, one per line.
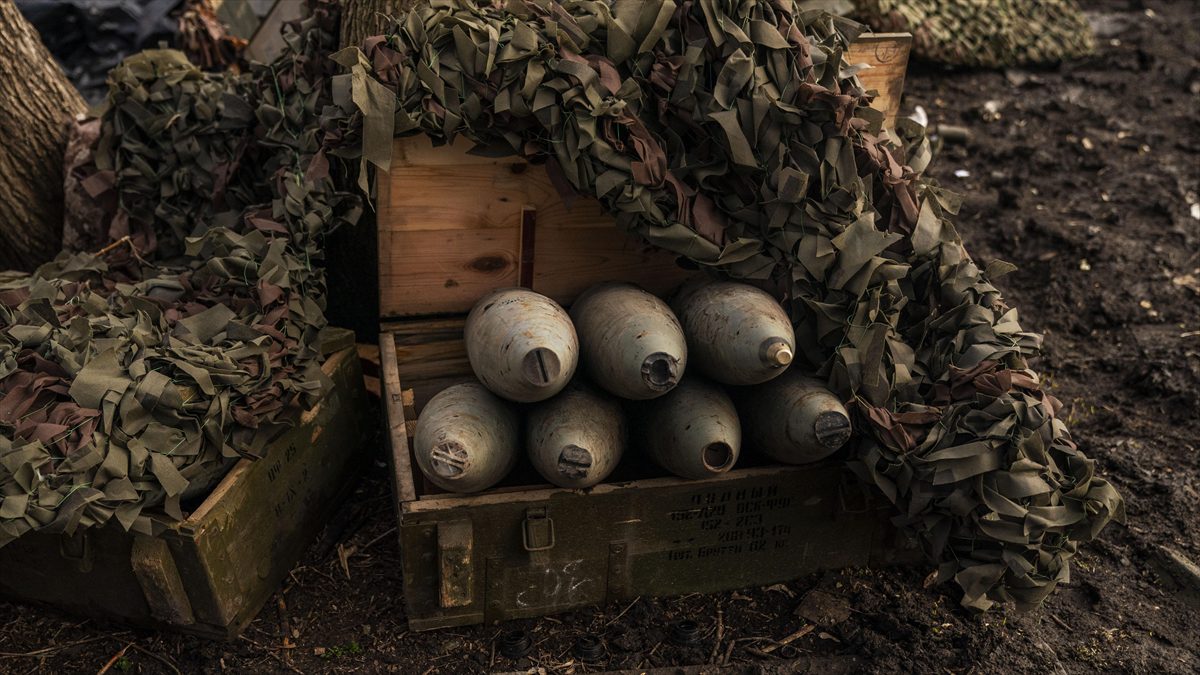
(211, 573)
(453, 226)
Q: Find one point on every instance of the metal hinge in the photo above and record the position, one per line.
(538, 531)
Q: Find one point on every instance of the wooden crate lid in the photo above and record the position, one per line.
(453, 226)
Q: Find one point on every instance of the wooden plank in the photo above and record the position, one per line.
(393, 397)
(451, 500)
(461, 197)
(887, 54)
(570, 259)
(429, 349)
(644, 538)
(456, 578)
(440, 271)
(155, 569)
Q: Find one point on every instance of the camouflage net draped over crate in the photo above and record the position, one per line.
(131, 377)
(732, 133)
(988, 33)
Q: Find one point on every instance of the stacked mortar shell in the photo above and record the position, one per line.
(525, 348)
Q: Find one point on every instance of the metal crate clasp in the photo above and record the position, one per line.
(537, 533)
(77, 548)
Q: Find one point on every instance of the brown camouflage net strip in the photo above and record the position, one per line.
(993, 34)
(733, 133)
(132, 377)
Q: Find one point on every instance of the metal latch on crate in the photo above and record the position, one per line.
(78, 549)
(538, 531)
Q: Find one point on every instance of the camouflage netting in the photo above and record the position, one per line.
(734, 134)
(988, 33)
(131, 377)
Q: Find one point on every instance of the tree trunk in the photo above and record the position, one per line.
(36, 102)
(363, 18)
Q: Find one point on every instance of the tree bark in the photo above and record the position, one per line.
(363, 18)
(36, 103)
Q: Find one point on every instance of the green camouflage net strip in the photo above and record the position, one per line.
(131, 378)
(991, 34)
(733, 133)
(172, 143)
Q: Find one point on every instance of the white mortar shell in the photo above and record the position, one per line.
(577, 438)
(692, 432)
(466, 438)
(793, 419)
(521, 345)
(737, 334)
(631, 343)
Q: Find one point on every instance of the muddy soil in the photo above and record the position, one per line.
(1087, 176)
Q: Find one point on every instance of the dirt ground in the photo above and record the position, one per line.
(1087, 177)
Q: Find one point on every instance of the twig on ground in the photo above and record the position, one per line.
(284, 623)
(51, 650)
(789, 639)
(614, 619)
(115, 657)
(158, 657)
(344, 554)
(376, 540)
(273, 655)
(728, 653)
(720, 636)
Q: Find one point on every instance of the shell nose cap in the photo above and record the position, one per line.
(660, 371)
(449, 459)
(541, 367)
(575, 462)
(778, 353)
(832, 429)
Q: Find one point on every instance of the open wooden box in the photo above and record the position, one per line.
(212, 572)
(453, 226)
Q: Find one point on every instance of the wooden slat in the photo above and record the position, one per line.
(455, 571)
(429, 349)
(568, 260)
(161, 584)
(439, 271)
(393, 398)
(887, 54)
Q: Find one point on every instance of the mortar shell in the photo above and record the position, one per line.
(521, 345)
(737, 334)
(577, 438)
(793, 419)
(466, 438)
(692, 432)
(631, 343)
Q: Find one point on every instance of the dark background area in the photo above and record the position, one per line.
(1087, 177)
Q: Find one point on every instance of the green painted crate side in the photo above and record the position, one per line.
(233, 552)
(656, 537)
(249, 542)
(95, 579)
